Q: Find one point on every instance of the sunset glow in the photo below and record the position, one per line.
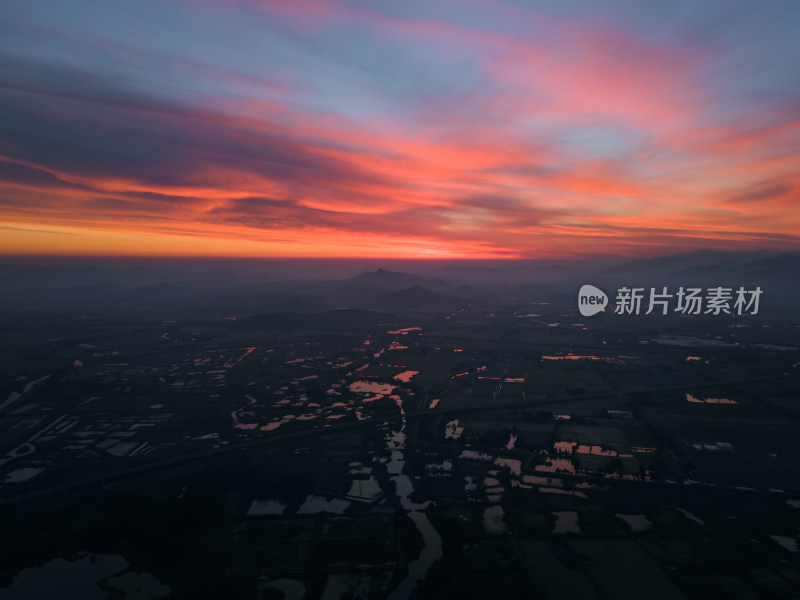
(445, 130)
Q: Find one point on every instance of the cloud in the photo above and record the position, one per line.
(551, 134)
(765, 191)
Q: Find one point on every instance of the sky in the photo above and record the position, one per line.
(414, 129)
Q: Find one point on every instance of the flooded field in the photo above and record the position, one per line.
(80, 578)
(405, 455)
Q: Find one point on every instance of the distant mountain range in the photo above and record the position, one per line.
(395, 280)
(707, 258)
(710, 266)
(251, 287)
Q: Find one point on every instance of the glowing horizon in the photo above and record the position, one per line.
(341, 129)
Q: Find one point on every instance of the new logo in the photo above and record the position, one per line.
(591, 300)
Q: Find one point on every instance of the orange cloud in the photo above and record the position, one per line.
(582, 136)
